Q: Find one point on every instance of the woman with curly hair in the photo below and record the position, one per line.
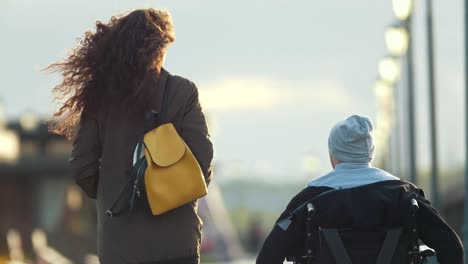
(112, 79)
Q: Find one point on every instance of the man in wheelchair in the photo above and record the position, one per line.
(358, 214)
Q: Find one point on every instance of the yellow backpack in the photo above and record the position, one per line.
(173, 176)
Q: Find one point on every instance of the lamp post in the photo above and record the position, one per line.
(384, 94)
(29, 121)
(465, 221)
(396, 40)
(403, 10)
(389, 71)
(432, 106)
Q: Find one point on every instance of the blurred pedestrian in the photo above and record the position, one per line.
(110, 81)
(367, 199)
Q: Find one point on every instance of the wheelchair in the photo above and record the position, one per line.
(326, 245)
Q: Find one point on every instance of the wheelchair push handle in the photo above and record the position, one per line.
(414, 205)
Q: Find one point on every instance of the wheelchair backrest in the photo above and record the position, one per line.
(362, 241)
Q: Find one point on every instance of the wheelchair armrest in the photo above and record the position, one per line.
(426, 251)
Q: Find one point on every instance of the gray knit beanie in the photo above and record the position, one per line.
(351, 140)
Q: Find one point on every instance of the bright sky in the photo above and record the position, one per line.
(274, 76)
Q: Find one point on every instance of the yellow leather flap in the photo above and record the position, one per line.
(164, 145)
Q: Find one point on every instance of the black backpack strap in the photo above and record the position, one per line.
(388, 247)
(165, 100)
(335, 244)
(126, 199)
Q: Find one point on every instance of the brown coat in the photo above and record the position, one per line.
(102, 159)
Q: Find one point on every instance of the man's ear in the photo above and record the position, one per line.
(332, 161)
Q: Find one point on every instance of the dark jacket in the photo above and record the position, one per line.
(373, 206)
(102, 161)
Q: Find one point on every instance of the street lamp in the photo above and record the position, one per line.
(384, 93)
(386, 104)
(383, 89)
(432, 106)
(389, 69)
(385, 99)
(402, 8)
(397, 39)
(29, 122)
(10, 150)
